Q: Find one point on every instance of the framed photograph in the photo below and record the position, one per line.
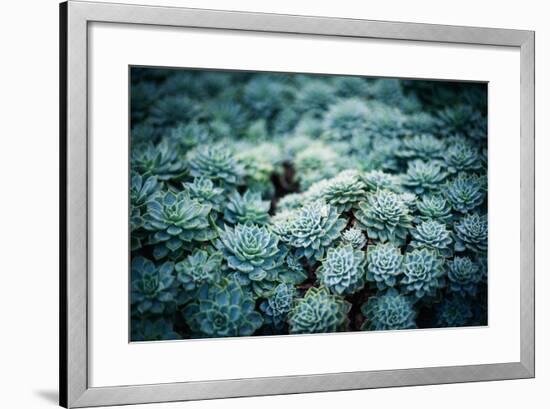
(258, 204)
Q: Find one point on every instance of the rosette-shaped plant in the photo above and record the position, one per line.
(216, 163)
(266, 97)
(354, 237)
(472, 233)
(454, 312)
(174, 219)
(204, 191)
(222, 310)
(423, 177)
(347, 87)
(311, 229)
(462, 157)
(384, 122)
(433, 235)
(424, 146)
(314, 98)
(433, 207)
(390, 311)
(159, 160)
(423, 272)
(225, 117)
(189, 135)
(464, 275)
(314, 163)
(384, 264)
(152, 287)
(292, 271)
(160, 329)
(344, 191)
(142, 190)
(245, 208)
(343, 270)
(382, 156)
(345, 119)
(278, 304)
(376, 179)
(260, 163)
(318, 312)
(252, 251)
(198, 268)
(173, 109)
(462, 120)
(465, 192)
(390, 90)
(385, 217)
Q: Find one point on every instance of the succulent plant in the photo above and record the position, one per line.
(433, 207)
(471, 233)
(142, 190)
(382, 156)
(314, 98)
(384, 121)
(423, 272)
(217, 163)
(278, 304)
(348, 87)
(158, 329)
(432, 235)
(462, 120)
(187, 136)
(172, 109)
(175, 219)
(318, 312)
(314, 163)
(385, 217)
(222, 310)
(423, 146)
(343, 270)
(376, 179)
(465, 192)
(390, 90)
(462, 157)
(344, 191)
(464, 276)
(423, 177)
(152, 289)
(204, 191)
(198, 268)
(266, 97)
(252, 251)
(454, 312)
(354, 237)
(389, 311)
(311, 229)
(384, 264)
(292, 271)
(249, 207)
(159, 160)
(345, 119)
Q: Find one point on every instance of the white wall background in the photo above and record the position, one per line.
(29, 202)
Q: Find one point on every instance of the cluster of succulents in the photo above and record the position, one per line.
(264, 203)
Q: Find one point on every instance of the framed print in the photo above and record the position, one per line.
(257, 204)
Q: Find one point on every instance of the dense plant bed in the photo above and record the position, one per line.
(289, 204)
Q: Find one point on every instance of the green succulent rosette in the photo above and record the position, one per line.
(343, 270)
(222, 310)
(318, 311)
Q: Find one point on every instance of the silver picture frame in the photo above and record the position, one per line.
(75, 16)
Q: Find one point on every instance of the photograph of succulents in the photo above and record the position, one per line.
(285, 203)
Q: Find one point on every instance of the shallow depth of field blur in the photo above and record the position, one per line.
(265, 203)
